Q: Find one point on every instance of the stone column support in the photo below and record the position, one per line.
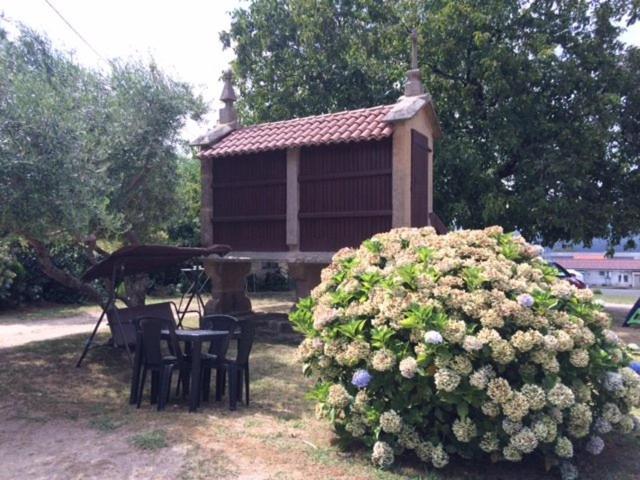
(206, 208)
(293, 199)
(423, 123)
(306, 276)
(228, 286)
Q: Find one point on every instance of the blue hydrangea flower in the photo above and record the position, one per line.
(361, 378)
(635, 366)
(613, 382)
(526, 300)
(433, 338)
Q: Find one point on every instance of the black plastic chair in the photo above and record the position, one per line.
(149, 335)
(239, 367)
(217, 348)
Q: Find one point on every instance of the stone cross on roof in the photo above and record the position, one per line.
(413, 87)
(228, 113)
(414, 49)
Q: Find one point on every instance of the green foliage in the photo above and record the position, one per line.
(90, 156)
(28, 283)
(184, 229)
(301, 318)
(539, 101)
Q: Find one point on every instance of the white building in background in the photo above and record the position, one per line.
(622, 271)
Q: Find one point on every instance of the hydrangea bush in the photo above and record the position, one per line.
(462, 344)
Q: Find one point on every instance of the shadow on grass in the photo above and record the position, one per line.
(39, 381)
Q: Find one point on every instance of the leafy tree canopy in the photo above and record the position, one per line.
(539, 101)
(85, 156)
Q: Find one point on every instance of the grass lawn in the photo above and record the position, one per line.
(63, 422)
(260, 301)
(617, 299)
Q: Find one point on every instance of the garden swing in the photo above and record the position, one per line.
(132, 260)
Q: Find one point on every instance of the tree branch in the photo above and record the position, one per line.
(59, 275)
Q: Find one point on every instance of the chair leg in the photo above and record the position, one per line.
(164, 387)
(206, 384)
(186, 377)
(220, 381)
(169, 386)
(239, 382)
(233, 387)
(246, 384)
(141, 386)
(155, 380)
(179, 382)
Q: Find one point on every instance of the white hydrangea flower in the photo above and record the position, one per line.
(511, 427)
(525, 441)
(511, 453)
(472, 344)
(383, 360)
(408, 367)
(391, 422)
(499, 390)
(561, 396)
(382, 455)
(579, 358)
(439, 457)
(464, 430)
(433, 337)
(446, 380)
(564, 447)
(338, 396)
(489, 442)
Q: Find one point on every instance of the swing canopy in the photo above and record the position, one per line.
(135, 259)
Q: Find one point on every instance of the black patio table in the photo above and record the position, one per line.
(195, 339)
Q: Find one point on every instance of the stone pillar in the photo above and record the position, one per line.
(401, 175)
(228, 286)
(206, 207)
(293, 199)
(306, 277)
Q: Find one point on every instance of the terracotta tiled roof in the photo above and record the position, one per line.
(599, 264)
(342, 127)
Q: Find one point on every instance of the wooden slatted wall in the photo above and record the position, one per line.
(419, 179)
(249, 201)
(345, 194)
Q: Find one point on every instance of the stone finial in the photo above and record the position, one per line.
(414, 49)
(413, 87)
(228, 113)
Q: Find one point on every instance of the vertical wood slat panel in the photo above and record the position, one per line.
(249, 201)
(419, 179)
(345, 194)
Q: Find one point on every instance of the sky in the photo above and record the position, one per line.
(181, 36)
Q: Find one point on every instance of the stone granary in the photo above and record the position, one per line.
(297, 190)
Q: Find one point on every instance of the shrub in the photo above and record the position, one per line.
(24, 280)
(465, 344)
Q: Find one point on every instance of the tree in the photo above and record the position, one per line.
(86, 157)
(538, 100)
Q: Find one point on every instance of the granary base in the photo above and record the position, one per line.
(228, 286)
(306, 276)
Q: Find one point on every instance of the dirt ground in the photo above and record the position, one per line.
(40, 448)
(33, 325)
(59, 422)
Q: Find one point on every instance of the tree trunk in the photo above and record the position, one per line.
(59, 275)
(135, 286)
